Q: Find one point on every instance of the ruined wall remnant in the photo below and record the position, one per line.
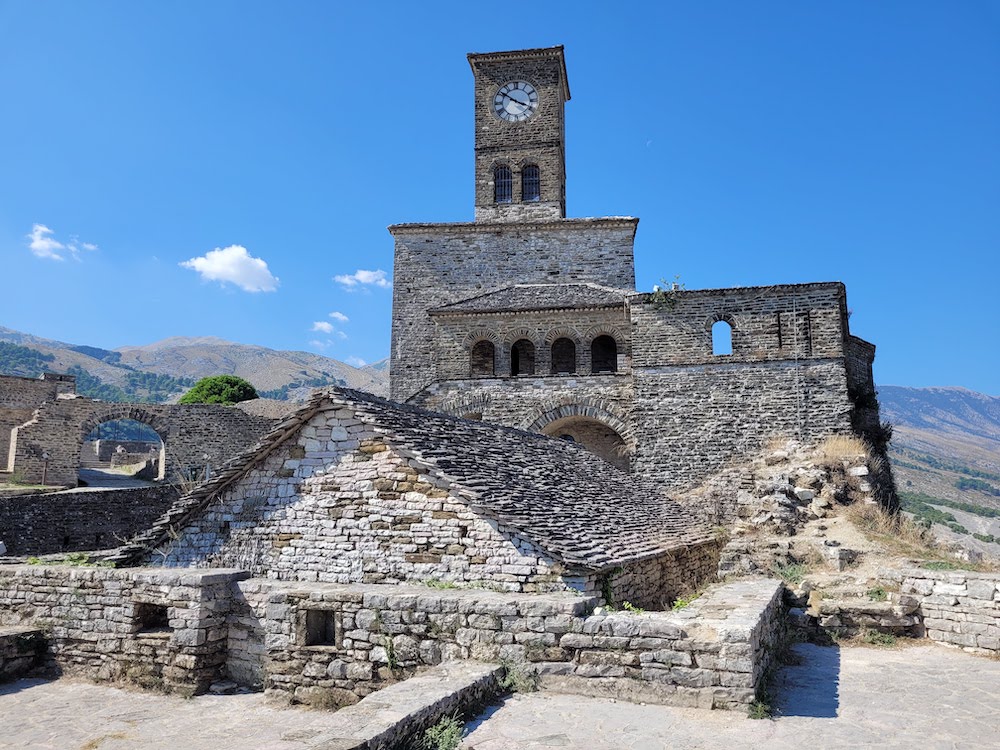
(79, 520)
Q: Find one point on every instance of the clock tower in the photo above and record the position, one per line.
(520, 102)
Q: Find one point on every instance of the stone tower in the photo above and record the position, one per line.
(520, 100)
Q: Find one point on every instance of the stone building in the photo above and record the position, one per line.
(44, 423)
(355, 489)
(530, 319)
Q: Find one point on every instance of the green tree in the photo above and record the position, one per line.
(219, 389)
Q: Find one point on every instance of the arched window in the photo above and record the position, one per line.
(604, 354)
(563, 356)
(482, 358)
(722, 338)
(522, 358)
(531, 184)
(503, 184)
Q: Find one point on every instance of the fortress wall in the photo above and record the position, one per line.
(193, 435)
(100, 623)
(693, 421)
(456, 335)
(960, 607)
(436, 264)
(79, 520)
(801, 321)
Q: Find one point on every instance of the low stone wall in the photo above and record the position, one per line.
(79, 520)
(656, 582)
(21, 651)
(959, 607)
(333, 644)
(158, 628)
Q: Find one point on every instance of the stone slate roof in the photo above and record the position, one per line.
(581, 510)
(523, 297)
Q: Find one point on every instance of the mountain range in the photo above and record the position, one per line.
(163, 370)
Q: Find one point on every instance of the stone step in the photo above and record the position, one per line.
(389, 717)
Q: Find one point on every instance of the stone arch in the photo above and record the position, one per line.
(734, 331)
(112, 412)
(105, 413)
(463, 407)
(591, 408)
(605, 330)
(592, 424)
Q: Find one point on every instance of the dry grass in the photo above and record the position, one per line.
(895, 531)
(842, 447)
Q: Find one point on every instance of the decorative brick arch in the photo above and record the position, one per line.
(602, 330)
(481, 334)
(564, 333)
(112, 412)
(516, 334)
(587, 408)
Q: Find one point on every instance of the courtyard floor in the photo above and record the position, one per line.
(928, 696)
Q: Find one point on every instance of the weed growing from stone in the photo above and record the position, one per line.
(436, 583)
(445, 735)
(390, 654)
(517, 678)
(630, 607)
(759, 710)
(792, 573)
(875, 638)
(878, 594)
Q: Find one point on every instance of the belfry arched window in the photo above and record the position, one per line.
(531, 183)
(522, 358)
(503, 184)
(483, 355)
(563, 356)
(604, 354)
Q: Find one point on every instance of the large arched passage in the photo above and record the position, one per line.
(116, 448)
(593, 435)
(594, 425)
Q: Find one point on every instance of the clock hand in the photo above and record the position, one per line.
(516, 101)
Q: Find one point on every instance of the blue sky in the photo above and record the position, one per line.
(146, 147)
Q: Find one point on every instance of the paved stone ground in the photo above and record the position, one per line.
(922, 696)
(925, 696)
(69, 714)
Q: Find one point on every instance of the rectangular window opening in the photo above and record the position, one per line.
(152, 618)
(322, 627)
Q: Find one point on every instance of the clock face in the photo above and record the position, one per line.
(515, 101)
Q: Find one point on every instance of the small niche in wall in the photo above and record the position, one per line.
(151, 618)
(322, 627)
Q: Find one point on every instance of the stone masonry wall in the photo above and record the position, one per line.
(189, 433)
(456, 335)
(19, 397)
(712, 654)
(79, 520)
(337, 504)
(959, 607)
(21, 650)
(657, 582)
(157, 628)
(436, 264)
(693, 421)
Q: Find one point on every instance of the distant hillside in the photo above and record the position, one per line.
(162, 371)
(946, 457)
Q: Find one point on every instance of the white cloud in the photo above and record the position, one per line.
(362, 278)
(321, 345)
(235, 265)
(322, 326)
(44, 245)
(339, 316)
(355, 361)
